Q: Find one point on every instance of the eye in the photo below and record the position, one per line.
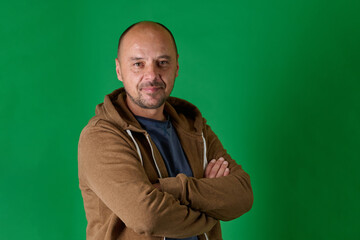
(163, 63)
(138, 64)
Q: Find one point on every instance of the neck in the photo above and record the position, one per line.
(157, 113)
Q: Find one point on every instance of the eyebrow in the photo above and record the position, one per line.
(165, 56)
(135, 58)
(140, 58)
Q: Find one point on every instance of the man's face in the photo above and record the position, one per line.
(147, 65)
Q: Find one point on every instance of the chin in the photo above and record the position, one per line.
(153, 104)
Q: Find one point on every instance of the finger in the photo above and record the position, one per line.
(216, 168)
(227, 172)
(221, 171)
(209, 167)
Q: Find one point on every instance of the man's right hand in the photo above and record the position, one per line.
(217, 168)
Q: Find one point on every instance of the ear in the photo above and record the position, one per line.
(118, 71)
(177, 66)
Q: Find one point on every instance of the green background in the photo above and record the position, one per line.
(278, 81)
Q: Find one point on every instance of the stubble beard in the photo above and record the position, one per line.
(141, 102)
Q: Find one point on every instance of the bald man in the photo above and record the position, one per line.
(150, 167)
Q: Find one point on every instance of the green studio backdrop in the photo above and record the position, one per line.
(278, 81)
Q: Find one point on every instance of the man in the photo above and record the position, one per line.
(143, 158)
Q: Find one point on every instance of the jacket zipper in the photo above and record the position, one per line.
(157, 167)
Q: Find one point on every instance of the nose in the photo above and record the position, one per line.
(150, 71)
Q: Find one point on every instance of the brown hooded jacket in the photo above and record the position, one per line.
(118, 163)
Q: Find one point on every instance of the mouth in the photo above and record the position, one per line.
(151, 89)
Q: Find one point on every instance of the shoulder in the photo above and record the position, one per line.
(183, 106)
(99, 131)
(186, 114)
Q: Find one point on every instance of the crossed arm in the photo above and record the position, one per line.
(185, 207)
(215, 169)
(221, 194)
(112, 173)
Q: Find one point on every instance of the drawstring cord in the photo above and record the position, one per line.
(137, 146)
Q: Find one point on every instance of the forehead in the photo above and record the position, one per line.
(147, 40)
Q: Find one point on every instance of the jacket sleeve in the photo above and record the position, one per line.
(223, 198)
(111, 168)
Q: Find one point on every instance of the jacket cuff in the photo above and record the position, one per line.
(171, 185)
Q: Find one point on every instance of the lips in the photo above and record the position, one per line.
(151, 86)
(150, 89)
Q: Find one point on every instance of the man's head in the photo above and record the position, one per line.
(147, 64)
(143, 22)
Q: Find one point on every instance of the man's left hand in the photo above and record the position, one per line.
(217, 168)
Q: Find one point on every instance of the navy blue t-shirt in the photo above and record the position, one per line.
(166, 140)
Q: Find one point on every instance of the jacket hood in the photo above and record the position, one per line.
(114, 109)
